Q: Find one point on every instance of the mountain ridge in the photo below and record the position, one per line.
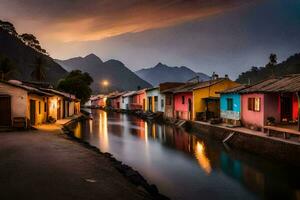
(118, 75)
(163, 73)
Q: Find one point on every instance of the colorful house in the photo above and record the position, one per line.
(274, 100)
(126, 100)
(167, 90)
(98, 101)
(230, 105)
(206, 97)
(155, 100)
(183, 101)
(116, 100)
(137, 100)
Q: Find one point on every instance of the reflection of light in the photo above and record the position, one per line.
(104, 141)
(146, 133)
(91, 126)
(77, 131)
(202, 158)
(154, 131)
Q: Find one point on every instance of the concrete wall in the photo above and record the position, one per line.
(19, 100)
(182, 110)
(53, 104)
(235, 114)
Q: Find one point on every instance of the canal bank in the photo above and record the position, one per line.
(46, 164)
(249, 140)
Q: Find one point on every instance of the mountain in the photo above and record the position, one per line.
(114, 71)
(163, 73)
(23, 56)
(256, 74)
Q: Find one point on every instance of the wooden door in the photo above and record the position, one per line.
(5, 110)
(32, 112)
(59, 110)
(286, 108)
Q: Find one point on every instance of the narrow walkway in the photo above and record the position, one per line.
(46, 165)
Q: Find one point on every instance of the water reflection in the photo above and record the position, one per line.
(186, 166)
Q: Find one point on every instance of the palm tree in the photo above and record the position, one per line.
(39, 72)
(7, 68)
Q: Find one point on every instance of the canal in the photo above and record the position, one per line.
(188, 165)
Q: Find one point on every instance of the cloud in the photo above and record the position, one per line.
(85, 20)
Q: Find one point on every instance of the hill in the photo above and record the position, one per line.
(114, 71)
(163, 73)
(256, 74)
(23, 55)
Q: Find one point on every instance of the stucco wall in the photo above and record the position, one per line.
(178, 106)
(53, 104)
(235, 114)
(19, 101)
(271, 107)
(252, 118)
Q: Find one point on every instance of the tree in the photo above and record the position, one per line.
(7, 68)
(272, 59)
(39, 71)
(77, 83)
(9, 27)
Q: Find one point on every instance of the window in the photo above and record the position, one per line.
(254, 104)
(162, 103)
(230, 104)
(183, 100)
(155, 99)
(39, 107)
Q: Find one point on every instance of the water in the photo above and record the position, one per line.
(185, 165)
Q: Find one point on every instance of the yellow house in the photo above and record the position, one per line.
(206, 97)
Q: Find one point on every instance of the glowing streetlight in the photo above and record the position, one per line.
(105, 83)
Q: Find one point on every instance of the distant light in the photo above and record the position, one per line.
(105, 83)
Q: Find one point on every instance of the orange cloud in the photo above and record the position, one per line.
(94, 20)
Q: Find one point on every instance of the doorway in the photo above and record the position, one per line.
(32, 112)
(286, 108)
(5, 110)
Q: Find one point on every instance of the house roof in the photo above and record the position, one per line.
(30, 89)
(289, 83)
(116, 95)
(209, 83)
(59, 93)
(150, 89)
(128, 94)
(236, 89)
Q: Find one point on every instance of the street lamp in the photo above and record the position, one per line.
(105, 85)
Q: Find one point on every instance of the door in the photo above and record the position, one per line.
(59, 110)
(190, 109)
(32, 112)
(5, 110)
(286, 107)
(150, 104)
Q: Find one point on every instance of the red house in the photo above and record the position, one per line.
(137, 101)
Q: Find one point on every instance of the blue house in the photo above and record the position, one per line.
(230, 105)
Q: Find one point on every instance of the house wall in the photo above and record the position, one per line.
(160, 99)
(295, 107)
(124, 102)
(71, 108)
(19, 97)
(252, 118)
(212, 91)
(136, 101)
(53, 104)
(272, 107)
(40, 114)
(182, 110)
(169, 109)
(235, 114)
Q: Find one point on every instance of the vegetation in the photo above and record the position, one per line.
(7, 68)
(39, 72)
(272, 69)
(31, 41)
(77, 83)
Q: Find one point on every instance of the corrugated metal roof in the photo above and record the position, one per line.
(236, 89)
(289, 83)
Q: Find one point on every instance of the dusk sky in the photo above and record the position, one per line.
(225, 36)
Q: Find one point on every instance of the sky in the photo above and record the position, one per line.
(223, 36)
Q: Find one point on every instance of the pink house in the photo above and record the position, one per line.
(274, 99)
(183, 101)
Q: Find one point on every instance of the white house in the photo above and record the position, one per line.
(155, 100)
